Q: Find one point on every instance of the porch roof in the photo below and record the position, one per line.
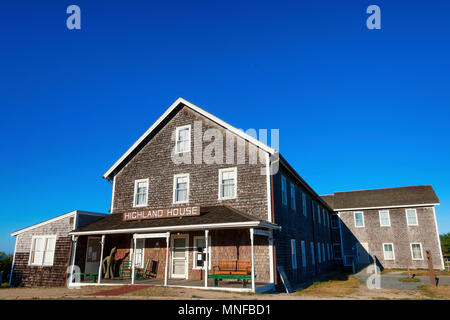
(212, 217)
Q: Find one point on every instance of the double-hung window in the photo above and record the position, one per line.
(319, 256)
(227, 183)
(183, 139)
(293, 196)
(283, 190)
(384, 218)
(359, 219)
(42, 250)
(181, 188)
(323, 252)
(303, 254)
(388, 251)
(293, 254)
(313, 261)
(304, 203)
(318, 212)
(416, 251)
(140, 193)
(411, 217)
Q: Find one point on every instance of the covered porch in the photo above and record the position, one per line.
(235, 256)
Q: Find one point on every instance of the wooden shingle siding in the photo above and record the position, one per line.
(154, 162)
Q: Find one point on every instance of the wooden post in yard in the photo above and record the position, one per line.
(430, 269)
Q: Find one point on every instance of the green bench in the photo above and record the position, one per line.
(232, 269)
(243, 277)
(93, 275)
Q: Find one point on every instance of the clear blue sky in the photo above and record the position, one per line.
(356, 108)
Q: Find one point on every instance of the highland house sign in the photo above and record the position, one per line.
(173, 212)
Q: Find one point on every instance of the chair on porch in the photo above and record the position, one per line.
(149, 270)
(125, 270)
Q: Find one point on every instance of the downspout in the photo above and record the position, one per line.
(273, 221)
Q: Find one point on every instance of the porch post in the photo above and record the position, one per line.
(253, 259)
(72, 259)
(133, 259)
(166, 269)
(206, 266)
(101, 260)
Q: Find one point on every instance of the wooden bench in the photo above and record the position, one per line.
(232, 269)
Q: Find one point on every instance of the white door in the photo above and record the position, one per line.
(179, 261)
(93, 251)
(363, 253)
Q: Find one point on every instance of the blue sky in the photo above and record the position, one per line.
(356, 108)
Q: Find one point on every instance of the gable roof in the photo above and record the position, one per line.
(382, 198)
(181, 101)
(62, 216)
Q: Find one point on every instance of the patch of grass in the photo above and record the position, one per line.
(439, 292)
(417, 272)
(196, 297)
(333, 285)
(408, 280)
(4, 285)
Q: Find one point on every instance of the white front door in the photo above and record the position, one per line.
(179, 261)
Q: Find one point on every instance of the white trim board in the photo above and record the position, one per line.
(206, 114)
(15, 233)
(191, 227)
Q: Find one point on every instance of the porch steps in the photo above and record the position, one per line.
(119, 291)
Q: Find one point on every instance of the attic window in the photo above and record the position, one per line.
(183, 139)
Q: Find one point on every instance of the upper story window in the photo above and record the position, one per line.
(293, 196)
(181, 188)
(318, 213)
(42, 250)
(334, 221)
(385, 221)
(359, 219)
(283, 190)
(183, 139)
(227, 183)
(411, 217)
(140, 193)
(304, 203)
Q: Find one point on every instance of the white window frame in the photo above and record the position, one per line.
(175, 177)
(135, 190)
(142, 240)
(30, 257)
(393, 251)
(303, 254)
(221, 171)
(283, 190)
(354, 217)
(313, 260)
(293, 254)
(412, 253)
(177, 130)
(415, 213)
(304, 204)
(388, 215)
(293, 205)
(194, 253)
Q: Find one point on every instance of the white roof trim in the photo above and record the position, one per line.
(387, 207)
(15, 233)
(208, 115)
(186, 227)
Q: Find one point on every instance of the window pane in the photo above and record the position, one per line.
(359, 219)
(411, 216)
(388, 252)
(417, 252)
(384, 218)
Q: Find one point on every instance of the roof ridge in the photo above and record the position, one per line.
(390, 188)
